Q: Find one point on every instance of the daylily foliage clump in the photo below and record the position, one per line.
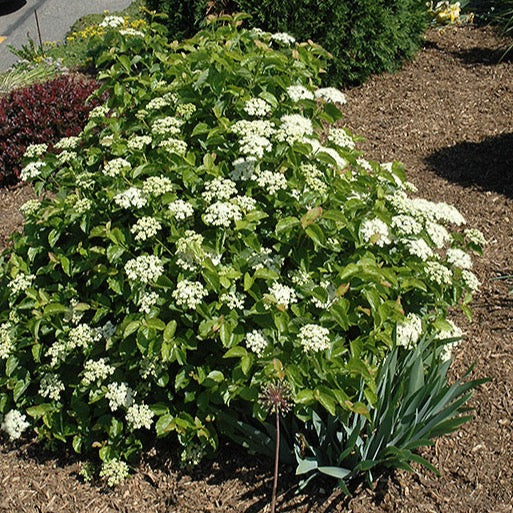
(212, 230)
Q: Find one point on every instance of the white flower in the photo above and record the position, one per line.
(219, 189)
(283, 38)
(86, 180)
(31, 170)
(418, 248)
(256, 342)
(314, 338)
(147, 300)
(99, 112)
(131, 32)
(331, 292)
(189, 251)
(35, 150)
(185, 110)
(299, 92)
(144, 268)
(107, 330)
(159, 102)
(458, 258)
(294, 127)
(470, 280)
(246, 203)
(406, 225)
(138, 142)
(166, 126)
(271, 181)
(257, 107)
(476, 236)
(222, 213)
(51, 386)
(66, 156)
(112, 22)
(314, 178)
(189, 293)
(14, 424)
(282, 295)
(132, 197)
(30, 207)
(330, 94)
(67, 143)
(243, 169)
(21, 283)
(82, 206)
(174, 146)
(448, 333)
(409, 330)
(255, 146)
(438, 234)
(340, 137)
(375, 231)
(119, 395)
(145, 228)
(181, 209)
(96, 371)
(139, 416)
(6, 340)
(233, 300)
(438, 273)
(115, 471)
(157, 185)
(264, 259)
(256, 127)
(365, 164)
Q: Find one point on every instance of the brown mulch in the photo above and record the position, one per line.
(449, 117)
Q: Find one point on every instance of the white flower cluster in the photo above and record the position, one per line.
(375, 231)
(67, 143)
(82, 336)
(139, 416)
(409, 330)
(14, 424)
(476, 236)
(132, 197)
(30, 207)
(96, 371)
(330, 94)
(31, 170)
(271, 181)
(243, 169)
(181, 209)
(437, 233)
(112, 22)
(458, 258)
(299, 92)
(283, 38)
(107, 330)
(51, 386)
(331, 292)
(159, 102)
(256, 342)
(82, 206)
(35, 150)
(406, 225)
(147, 300)
(222, 213)
(281, 295)
(341, 138)
(452, 332)
(99, 112)
(438, 273)
(138, 142)
(86, 180)
(257, 107)
(21, 283)
(145, 228)
(189, 251)
(131, 32)
(365, 164)
(119, 395)
(246, 203)
(293, 128)
(174, 146)
(233, 300)
(66, 156)
(318, 149)
(166, 126)
(144, 268)
(314, 178)
(114, 471)
(265, 259)
(254, 136)
(116, 167)
(314, 338)
(185, 110)
(6, 341)
(189, 293)
(157, 185)
(418, 248)
(255, 146)
(219, 189)
(470, 280)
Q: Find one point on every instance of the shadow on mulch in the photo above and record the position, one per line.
(486, 56)
(487, 164)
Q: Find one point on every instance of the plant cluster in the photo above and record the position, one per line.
(213, 231)
(365, 37)
(41, 113)
(449, 13)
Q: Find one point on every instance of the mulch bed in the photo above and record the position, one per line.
(449, 117)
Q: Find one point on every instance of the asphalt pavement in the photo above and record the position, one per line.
(17, 20)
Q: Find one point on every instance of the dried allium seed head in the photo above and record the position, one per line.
(277, 396)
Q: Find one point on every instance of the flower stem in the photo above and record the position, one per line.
(276, 461)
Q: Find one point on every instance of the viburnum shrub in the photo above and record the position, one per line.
(213, 231)
(41, 114)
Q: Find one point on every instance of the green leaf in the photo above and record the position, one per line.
(54, 309)
(131, 328)
(286, 224)
(170, 331)
(316, 233)
(337, 472)
(40, 410)
(311, 216)
(165, 424)
(306, 465)
(235, 352)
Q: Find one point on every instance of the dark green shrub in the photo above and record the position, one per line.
(364, 36)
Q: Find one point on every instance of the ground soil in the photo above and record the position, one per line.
(448, 115)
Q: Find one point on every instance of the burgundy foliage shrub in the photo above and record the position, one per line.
(41, 113)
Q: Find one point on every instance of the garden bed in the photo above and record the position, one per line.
(449, 117)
